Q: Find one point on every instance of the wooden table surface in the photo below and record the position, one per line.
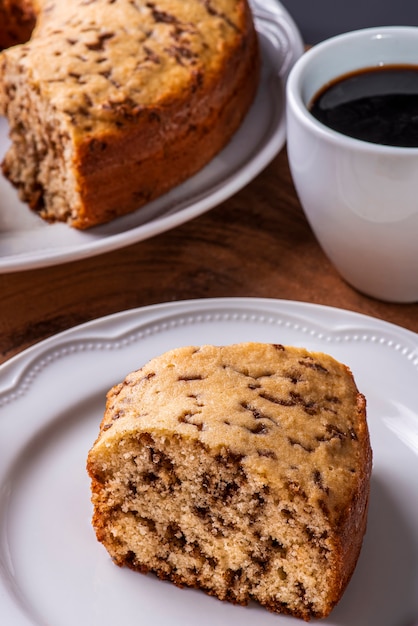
(258, 243)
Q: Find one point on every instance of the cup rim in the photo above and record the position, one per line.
(305, 117)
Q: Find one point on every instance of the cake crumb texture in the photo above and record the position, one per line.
(241, 470)
(111, 103)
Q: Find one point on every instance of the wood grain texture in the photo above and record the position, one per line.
(256, 244)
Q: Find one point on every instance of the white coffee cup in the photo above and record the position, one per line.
(360, 198)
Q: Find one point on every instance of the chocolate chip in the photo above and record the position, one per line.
(309, 362)
(175, 536)
(267, 453)
(257, 413)
(130, 558)
(149, 478)
(259, 429)
(149, 523)
(98, 45)
(281, 573)
(317, 478)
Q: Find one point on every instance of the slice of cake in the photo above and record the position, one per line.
(112, 103)
(241, 470)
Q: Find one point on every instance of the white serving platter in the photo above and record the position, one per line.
(27, 242)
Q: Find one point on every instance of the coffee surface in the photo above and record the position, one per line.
(377, 104)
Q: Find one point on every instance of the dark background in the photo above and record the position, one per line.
(318, 19)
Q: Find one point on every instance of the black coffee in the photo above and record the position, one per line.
(378, 104)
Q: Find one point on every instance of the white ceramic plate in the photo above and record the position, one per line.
(53, 571)
(27, 242)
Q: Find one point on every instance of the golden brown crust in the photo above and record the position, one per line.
(351, 525)
(204, 128)
(126, 109)
(260, 448)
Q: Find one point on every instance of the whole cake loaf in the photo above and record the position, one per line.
(112, 103)
(242, 470)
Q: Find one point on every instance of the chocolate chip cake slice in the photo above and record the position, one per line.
(242, 470)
